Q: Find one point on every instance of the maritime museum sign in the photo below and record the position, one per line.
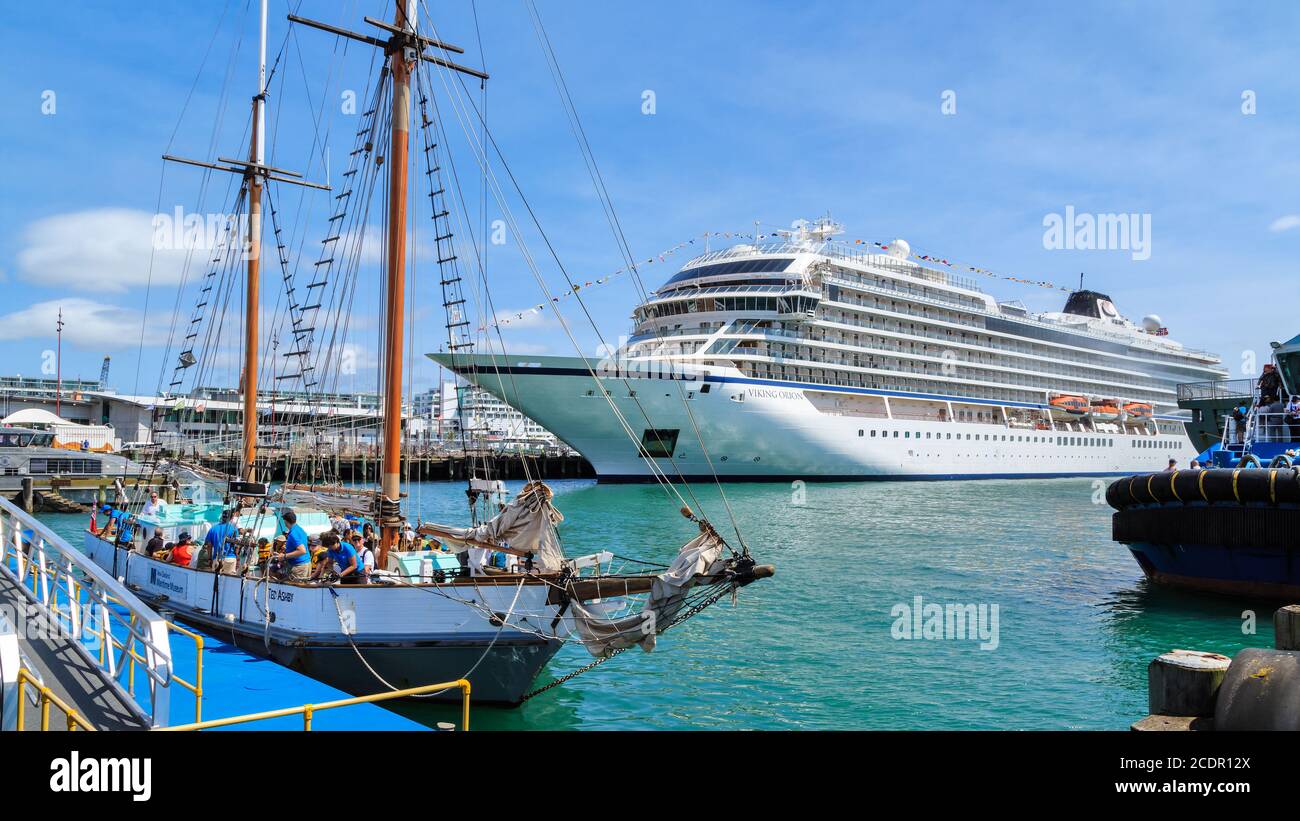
(163, 579)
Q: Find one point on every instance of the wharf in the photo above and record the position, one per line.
(416, 468)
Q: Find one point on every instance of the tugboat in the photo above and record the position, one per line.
(1233, 526)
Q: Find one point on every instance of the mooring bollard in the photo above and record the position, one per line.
(1286, 627)
(1185, 683)
(1260, 692)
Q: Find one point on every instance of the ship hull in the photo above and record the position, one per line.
(767, 430)
(503, 672)
(1256, 572)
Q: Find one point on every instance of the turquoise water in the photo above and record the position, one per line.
(812, 648)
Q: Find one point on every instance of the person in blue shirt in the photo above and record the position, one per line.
(222, 545)
(296, 559)
(344, 559)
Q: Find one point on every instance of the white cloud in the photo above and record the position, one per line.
(103, 250)
(1285, 223)
(87, 324)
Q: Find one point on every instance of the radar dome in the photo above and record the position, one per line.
(1151, 323)
(900, 249)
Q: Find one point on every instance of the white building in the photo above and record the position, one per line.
(486, 420)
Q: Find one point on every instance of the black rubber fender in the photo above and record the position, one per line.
(1161, 486)
(1187, 486)
(1117, 493)
(1254, 485)
(1218, 485)
(1286, 487)
(1260, 691)
(1120, 493)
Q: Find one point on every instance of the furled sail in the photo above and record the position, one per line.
(525, 525)
(698, 558)
(334, 499)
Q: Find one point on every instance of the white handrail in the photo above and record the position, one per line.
(62, 571)
(10, 661)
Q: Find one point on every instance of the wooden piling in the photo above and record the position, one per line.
(1185, 683)
(1286, 627)
(28, 495)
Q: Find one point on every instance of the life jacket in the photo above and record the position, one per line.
(182, 553)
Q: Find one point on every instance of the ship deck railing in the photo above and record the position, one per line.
(1216, 389)
(1273, 427)
(81, 632)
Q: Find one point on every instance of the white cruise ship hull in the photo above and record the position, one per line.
(768, 430)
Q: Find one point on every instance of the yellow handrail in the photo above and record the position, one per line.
(47, 698)
(308, 710)
(196, 688)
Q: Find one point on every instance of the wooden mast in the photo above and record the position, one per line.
(404, 47)
(252, 298)
(256, 173)
(391, 481)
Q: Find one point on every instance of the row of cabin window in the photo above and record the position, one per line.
(1069, 441)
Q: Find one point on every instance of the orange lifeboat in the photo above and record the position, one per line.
(1137, 411)
(1105, 410)
(1068, 406)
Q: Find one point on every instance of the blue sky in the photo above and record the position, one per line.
(769, 111)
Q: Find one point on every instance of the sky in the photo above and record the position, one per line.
(962, 128)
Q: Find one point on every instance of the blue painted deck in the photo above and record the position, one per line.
(237, 683)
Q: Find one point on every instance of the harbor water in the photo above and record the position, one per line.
(821, 645)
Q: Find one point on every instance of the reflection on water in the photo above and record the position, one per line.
(812, 647)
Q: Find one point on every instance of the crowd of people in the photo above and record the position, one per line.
(345, 552)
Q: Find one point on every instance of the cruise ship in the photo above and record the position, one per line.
(815, 359)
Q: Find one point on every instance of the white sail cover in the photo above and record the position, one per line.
(602, 636)
(335, 501)
(527, 523)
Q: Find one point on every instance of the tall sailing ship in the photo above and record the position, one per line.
(814, 359)
(428, 615)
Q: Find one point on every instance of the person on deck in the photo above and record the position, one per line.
(318, 554)
(1173, 465)
(155, 506)
(1239, 415)
(263, 558)
(1270, 385)
(222, 544)
(183, 551)
(365, 556)
(297, 560)
(343, 557)
(154, 545)
(1292, 418)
